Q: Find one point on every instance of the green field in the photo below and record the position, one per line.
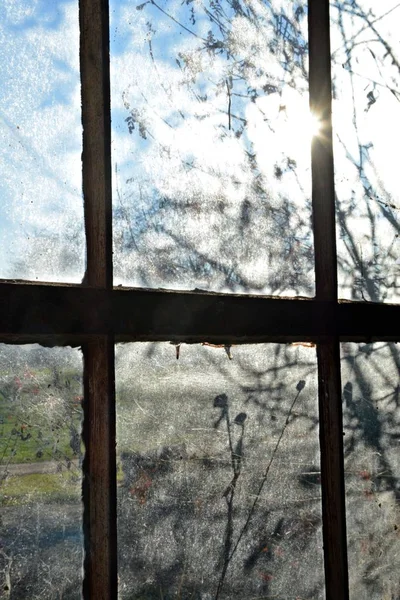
(40, 421)
(62, 487)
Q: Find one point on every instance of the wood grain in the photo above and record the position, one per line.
(99, 468)
(96, 155)
(99, 483)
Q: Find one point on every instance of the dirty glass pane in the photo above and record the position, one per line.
(41, 550)
(218, 472)
(366, 118)
(211, 145)
(41, 209)
(371, 394)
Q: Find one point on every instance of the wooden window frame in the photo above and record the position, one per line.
(94, 315)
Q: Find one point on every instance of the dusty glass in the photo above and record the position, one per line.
(218, 472)
(41, 208)
(366, 119)
(371, 387)
(41, 552)
(211, 146)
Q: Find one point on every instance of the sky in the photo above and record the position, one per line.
(40, 133)
(188, 212)
(182, 146)
(366, 119)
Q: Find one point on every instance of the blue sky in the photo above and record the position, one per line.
(163, 75)
(186, 151)
(40, 132)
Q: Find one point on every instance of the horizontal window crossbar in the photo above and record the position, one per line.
(64, 314)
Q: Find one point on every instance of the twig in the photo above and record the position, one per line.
(229, 104)
(177, 22)
(300, 387)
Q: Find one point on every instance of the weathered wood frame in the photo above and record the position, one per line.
(95, 315)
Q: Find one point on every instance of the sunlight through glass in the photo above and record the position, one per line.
(210, 145)
(314, 125)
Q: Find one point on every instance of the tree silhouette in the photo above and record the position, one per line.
(220, 177)
(212, 190)
(220, 195)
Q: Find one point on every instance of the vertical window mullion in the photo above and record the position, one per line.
(323, 190)
(329, 381)
(332, 470)
(99, 487)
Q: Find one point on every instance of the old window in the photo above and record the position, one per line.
(218, 234)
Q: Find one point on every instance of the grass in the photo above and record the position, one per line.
(120, 473)
(43, 487)
(41, 446)
(37, 420)
(36, 417)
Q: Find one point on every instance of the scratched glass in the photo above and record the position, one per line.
(41, 550)
(41, 208)
(371, 394)
(211, 146)
(366, 118)
(218, 472)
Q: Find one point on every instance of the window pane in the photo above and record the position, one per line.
(218, 472)
(41, 209)
(211, 146)
(371, 386)
(41, 550)
(366, 115)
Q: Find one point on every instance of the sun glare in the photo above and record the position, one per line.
(297, 128)
(314, 125)
(296, 125)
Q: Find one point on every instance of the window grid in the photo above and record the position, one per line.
(96, 316)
